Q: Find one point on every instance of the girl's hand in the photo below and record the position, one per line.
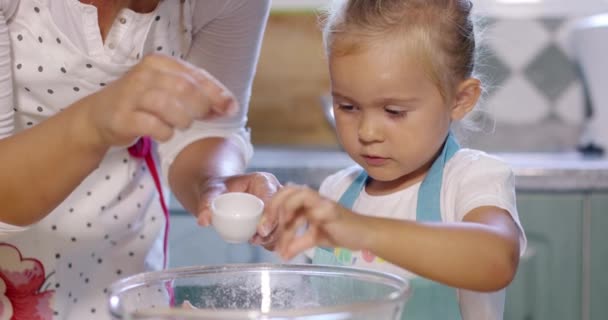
(329, 224)
(157, 96)
(261, 184)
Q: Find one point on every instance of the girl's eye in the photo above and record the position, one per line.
(346, 107)
(395, 112)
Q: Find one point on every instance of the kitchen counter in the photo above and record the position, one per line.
(568, 171)
(535, 172)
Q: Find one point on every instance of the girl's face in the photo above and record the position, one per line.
(390, 117)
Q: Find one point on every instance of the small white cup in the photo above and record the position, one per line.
(236, 215)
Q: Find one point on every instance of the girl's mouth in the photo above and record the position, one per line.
(374, 160)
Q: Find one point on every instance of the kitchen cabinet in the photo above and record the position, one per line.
(191, 244)
(548, 281)
(599, 257)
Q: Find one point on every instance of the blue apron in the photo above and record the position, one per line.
(429, 300)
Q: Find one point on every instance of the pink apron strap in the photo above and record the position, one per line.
(142, 149)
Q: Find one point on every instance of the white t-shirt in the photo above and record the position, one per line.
(471, 179)
(111, 225)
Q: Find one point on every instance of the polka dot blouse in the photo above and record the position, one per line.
(112, 224)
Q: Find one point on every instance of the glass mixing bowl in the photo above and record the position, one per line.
(259, 291)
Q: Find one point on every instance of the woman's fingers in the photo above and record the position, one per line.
(214, 99)
(175, 97)
(222, 101)
(211, 190)
(167, 108)
(173, 91)
(147, 124)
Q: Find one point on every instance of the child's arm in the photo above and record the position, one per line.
(481, 253)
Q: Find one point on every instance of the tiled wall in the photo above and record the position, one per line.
(535, 93)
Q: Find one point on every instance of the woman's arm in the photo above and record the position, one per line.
(41, 166)
(228, 47)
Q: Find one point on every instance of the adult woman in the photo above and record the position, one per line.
(78, 211)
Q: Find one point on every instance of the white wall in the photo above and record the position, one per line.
(497, 8)
(297, 4)
(539, 8)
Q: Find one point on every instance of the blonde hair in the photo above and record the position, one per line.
(441, 31)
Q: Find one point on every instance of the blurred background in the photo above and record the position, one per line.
(545, 68)
(535, 93)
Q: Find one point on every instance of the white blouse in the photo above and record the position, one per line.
(111, 226)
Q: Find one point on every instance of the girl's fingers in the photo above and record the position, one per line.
(316, 208)
(288, 232)
(276, 204)
(300, 244)
(324, 211)
(304, 198)
(291, 233)
(279, 197)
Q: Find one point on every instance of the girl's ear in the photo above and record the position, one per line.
(466, 98)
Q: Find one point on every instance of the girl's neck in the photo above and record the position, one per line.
(378, 188)
(107, 10)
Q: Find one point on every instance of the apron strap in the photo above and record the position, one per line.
(142, 149)
(348, 198)
(428, 207)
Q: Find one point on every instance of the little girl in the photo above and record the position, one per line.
(417, 205)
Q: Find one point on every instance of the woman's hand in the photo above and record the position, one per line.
(157, 96)
(261, 184)
(327, 223)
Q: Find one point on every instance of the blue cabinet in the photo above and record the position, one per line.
(191, 244)
(548, 282)
(598, 284)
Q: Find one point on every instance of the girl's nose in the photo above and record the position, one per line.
(370, 130)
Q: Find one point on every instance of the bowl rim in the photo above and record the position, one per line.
(401, 285)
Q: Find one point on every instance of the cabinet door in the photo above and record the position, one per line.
(191, 244)
(599, 257)
(548, 281)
